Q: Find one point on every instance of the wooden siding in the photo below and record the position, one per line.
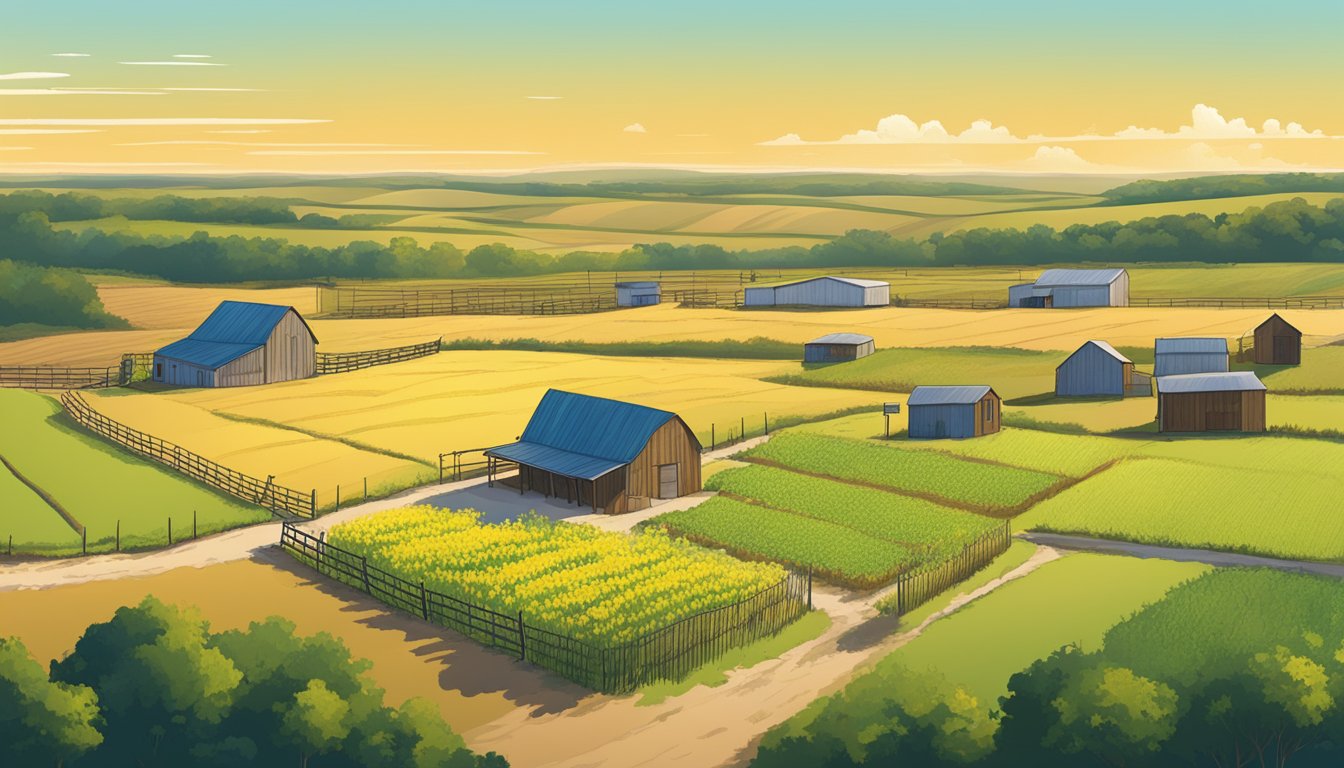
(1277, 343)
(245, 371)
(1211, 411)
(290, 352)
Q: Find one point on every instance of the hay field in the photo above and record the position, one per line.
(178, 306)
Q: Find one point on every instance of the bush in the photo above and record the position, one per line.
(51, 296)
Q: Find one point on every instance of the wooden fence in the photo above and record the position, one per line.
(264, 493)
(669, 653)
(341, 362)
(915, 589)
(134, 366)
(457, 465)
(1288, 302)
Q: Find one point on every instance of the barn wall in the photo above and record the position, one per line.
(1120, 291)
(958, 420)
(836, 353)
(290, 352)
(1081, 296)
(877, 296)
(1090, 371)
(759, 297)
(1286, 351)
(180, 374)
(1212, 411)
(1171, 364)
(820, 292)
(638, 297)
(245, 371)
(672, 443)
(989, 406)
(1018, 294)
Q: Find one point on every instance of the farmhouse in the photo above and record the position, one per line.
(239, 344)
(821, 292)
(1096, 368)
(611, 455)
(838, 348)
(1073, 288)
(1277, 343)
(937, 412)
(638, 294)
(1209, 402)
(1173, 357)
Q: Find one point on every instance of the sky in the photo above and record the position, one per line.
(1035, 86)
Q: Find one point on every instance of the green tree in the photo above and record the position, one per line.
(1113, 715)
(42, 722)
(316, 722)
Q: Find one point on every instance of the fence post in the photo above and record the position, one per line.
(321, 547)
(366, 488)
(809, 587)
(11, 545)
(312, 502)
(170, 530)
(424, 601)
(338, 496)
(364, 569)
(118, 535)
(767, 422)
(440, 469)
(84, 541)
(522, 638)
(193, 525)
(713, 442)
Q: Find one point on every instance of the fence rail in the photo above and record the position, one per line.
(50, 377)
(1283, 302)
(342, 362)
(669, 653)
(264, 493)
(915, 589)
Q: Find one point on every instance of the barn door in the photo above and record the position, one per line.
(667, 481)
(940, 429)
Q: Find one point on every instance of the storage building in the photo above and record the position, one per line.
(937, 412)
(1073, 288)
(241, 343)
(1095, 369)
(611, 455)
(838, 348)
(1277, 343)
(638, 294)
(1209, 402)
(1173, 357)
(820, 292)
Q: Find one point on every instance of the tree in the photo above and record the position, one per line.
(42, 721)
(1112, 714)
(316, 722)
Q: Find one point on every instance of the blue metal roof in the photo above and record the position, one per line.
(941, 395)
(1190, 345)
(583, 436)
(207, 354)
(1235, 381)
(231, 331)
(842, 338)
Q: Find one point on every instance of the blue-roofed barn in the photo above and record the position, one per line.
(964, 411)
(1098, 369)
(608, 454)
(241, 343)
(838, 348)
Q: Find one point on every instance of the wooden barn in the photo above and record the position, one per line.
(838, 348)
(240, 344)
(1098, 369)
(1211, 402)
(937, 412)
(1277, 343)
(644, 293)
(610, 455)
(1177, 356)
(820, 292)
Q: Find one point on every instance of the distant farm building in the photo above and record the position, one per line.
(239, 344)
(820, 292)
(607, 454)
(838, 348)
(1174, 357)
(1277, 343)
(1073, 288)
(1211, 402)
(937, 412)
(638, 294)
(1098, 369)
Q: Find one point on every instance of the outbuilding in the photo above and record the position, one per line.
(820, 292)
(838, 348)
(1073, 288)
(962, 411)
(1277, 343)
(1096, 369)
(1211, 402)
(241, 343)
(1176, 356)
(638, 294)
(610, 455)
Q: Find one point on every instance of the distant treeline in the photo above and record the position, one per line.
(1288, 231)
(50, 296)
(71, 206)
(808, 185)
(1210, 187)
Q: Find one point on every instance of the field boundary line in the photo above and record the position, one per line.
(363, 447)
(44, 496)
(1214, 557)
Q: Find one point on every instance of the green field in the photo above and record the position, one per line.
(98, 485)
(1014, 372)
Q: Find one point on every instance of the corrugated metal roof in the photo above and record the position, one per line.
(1055, 277)
(231, 331)
(1108, 349)
(941, 395)
(206, 354)
(555, 460)
(1233, 381)
(842, 338)
(1190, 345)
(851, 280)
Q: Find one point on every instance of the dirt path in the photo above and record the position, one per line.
(716, 726)
(1180, 554)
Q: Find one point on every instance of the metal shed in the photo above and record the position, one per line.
(1073, 288)
(960, 411)
(638, 294)
(611, 455)
(1210, 402)
(1177, 356)
(241, 343)
(1095, 368)
(820, 292)
(1277, 342)
(838, 348)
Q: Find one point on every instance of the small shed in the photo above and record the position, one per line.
(838, 348)
(1176, 356)
(1095, 368)
(820, 292)
(638, 294)
(608, 454)
(1073, 288)
(241, 343)
(962, 411)
(1277, 342)
(1211, 402)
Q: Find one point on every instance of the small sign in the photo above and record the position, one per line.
(890, 408)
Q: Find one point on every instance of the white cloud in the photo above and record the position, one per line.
(41, 131)
(208, 142)
(103, 121)
(171, 63)
(74, 92)
(72, 55)
(545, 98)
(33, 75)
(334, 153)
(1201, 156)
(635, 128)
(191, 55)
(1208, 124)
(901, 129)
(1057, 159)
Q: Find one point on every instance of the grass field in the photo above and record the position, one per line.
(1013, 372)
(98, 485)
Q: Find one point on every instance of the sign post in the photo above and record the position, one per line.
(887, 410)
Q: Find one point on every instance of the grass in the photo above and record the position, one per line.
(1321, 372)
(1012, 372)
(32, 521)
(1018, 553)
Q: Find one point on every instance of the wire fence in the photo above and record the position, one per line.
(342, 362)
(915, 589)
(670, 653)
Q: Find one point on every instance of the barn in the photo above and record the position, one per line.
(937, 412)
(838, 348)
(820, 292)
(1096, 368)
(1073, 288)
(1277, 343)
(1173, 357)
(638, 294)
(241, 343)
(610, 455)
(1211, 402)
